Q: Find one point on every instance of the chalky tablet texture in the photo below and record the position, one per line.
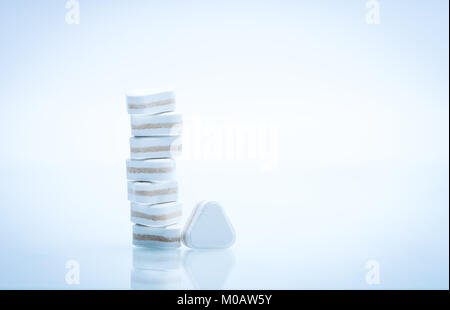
(167, 124)
(208, 227)
(150, 102)
(152, 192)
(168, 237)
(161, 169)
(156, 215)
(154, 147)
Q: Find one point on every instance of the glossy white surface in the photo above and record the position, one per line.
(321, 241)
(357, 168)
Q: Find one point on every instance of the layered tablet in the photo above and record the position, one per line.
(154, 147)
(208, 227)
(168, 237)
(161, 169)
(150, 102)
(152, 192)
(167, 124)
(156, 215)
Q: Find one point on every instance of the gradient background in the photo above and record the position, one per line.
(363, 116)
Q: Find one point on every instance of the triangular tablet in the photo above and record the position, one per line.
(208, 227)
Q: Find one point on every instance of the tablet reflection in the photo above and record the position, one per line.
(208, 269)
(156, 269)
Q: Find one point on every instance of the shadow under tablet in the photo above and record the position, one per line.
(160, 269)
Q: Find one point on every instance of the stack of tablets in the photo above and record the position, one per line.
(152, 189)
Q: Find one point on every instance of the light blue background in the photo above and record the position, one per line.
(363, 112)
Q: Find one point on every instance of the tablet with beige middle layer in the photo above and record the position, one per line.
(143, 101)
(160, 169)
(156, 215)
(154, 147)
(165, 124)
(152, 192)
(168, 237)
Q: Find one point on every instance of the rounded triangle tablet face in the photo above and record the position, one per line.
(208, 227)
